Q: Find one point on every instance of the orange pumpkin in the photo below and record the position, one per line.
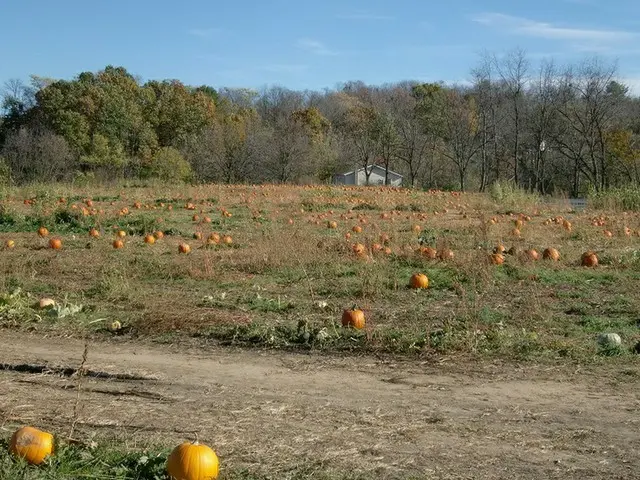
(227, 240)
(497, 258)
(149, 239)
(94, 233)
(589, 259)
(213, 238)
(359, 249)
(193, 461)
(419, 280)
(353, 317)
(158, 235)
(184, 248)
(43, 232)
(551, 254)
(429, 252)
(55, 243)
(356, 229)
(118, 244)
(10, 244)
(31, 444)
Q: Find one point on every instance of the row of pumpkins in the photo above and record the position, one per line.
(187, 461)
(56, 243)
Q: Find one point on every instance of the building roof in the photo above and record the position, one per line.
(372, 167)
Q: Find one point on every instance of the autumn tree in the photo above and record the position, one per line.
(461, 132)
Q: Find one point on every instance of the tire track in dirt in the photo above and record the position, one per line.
(274, 410)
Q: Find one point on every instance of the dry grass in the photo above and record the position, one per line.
(266, 287)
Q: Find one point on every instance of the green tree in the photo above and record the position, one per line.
(169, 165)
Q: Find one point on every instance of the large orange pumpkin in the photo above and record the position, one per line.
(551, 254)
(55, 243)
(184, 248)
(31, 444)
(353, 317)
(419, 280)
(193, 461)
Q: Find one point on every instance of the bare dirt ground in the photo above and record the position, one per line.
(269, 411)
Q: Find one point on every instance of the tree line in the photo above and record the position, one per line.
(572, 129)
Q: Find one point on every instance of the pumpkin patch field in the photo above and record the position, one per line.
(318, 332)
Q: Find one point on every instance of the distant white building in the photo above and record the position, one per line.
(359, 177)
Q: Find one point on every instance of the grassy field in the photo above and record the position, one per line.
(112, 461)
(277, 276)
(286, 277)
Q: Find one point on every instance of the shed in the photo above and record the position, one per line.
(359, 177)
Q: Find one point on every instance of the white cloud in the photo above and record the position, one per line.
(204, 32)
(532, 28)
(314, 46)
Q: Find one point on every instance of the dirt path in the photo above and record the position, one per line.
(270, 410)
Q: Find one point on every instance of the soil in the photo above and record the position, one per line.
(269, 411)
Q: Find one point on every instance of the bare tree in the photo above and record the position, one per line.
(37, 155)
(358, 127)
(542, 122)
(513, 69)
(461, 134)
(589, 110)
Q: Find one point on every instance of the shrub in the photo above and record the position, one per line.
(510, 196)
(169, 165)
(5, 172)
(621, 198)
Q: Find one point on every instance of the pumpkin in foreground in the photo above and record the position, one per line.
(353, 317)
(31, 444)
(193, 461)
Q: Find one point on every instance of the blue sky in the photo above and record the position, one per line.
(308, 45)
